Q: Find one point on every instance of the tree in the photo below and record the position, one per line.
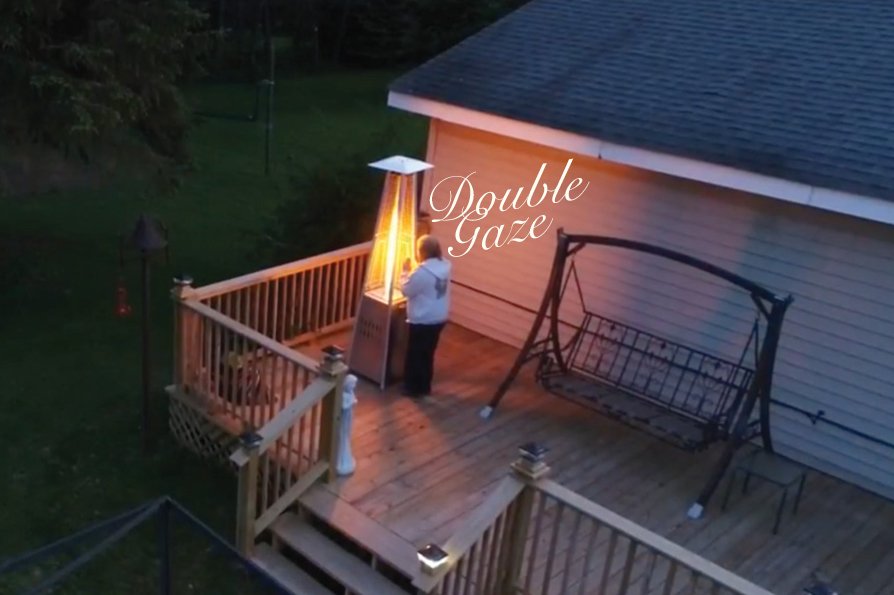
(386, 32)
(73, 72)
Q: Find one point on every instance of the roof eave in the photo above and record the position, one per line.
(855, 205)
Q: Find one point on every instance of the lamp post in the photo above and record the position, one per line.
(380, 330)
(148, 237)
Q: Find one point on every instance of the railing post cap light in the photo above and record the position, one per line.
(183, 280)
(401, 165)
(820, 589)
(250, 440)
(432, 557)
(333, 353)
(333, 358)
(530, 463)
(533, 451)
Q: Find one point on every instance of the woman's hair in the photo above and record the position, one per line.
(429, 247)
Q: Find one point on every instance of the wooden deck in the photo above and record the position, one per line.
(423, 466)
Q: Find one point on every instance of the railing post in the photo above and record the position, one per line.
(182, 291)
(332, 368)
(530, 467)
(247, 497)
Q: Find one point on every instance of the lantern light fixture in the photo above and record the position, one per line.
(148, 237)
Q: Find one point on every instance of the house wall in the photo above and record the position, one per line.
(837, 349)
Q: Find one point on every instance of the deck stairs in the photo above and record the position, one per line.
(327, 546)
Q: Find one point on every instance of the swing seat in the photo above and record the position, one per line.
(677, 393)
(674, 392)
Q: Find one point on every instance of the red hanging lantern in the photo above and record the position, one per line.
(122, 308)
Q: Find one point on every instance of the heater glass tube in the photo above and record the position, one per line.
(391, 254)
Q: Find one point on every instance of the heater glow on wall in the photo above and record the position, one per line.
(380, 331)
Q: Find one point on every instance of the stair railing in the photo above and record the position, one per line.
(482, 551)
(290, 453)
(484, 555)
(534, 536)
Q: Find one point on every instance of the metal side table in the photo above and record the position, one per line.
(774, 469)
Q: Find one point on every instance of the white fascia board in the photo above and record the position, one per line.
(855, 205)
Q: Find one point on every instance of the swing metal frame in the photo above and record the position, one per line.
(682, 395)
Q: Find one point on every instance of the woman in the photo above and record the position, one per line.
(427, 290)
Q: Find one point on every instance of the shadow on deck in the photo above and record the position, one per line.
(423, 466)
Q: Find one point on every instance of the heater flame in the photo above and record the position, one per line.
(391, 255)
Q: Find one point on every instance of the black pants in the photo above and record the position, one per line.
(420, 362)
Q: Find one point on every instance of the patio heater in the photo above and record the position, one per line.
(380, 331)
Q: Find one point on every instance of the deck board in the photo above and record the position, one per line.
(423, 466)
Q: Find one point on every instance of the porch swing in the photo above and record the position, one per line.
(684, 396)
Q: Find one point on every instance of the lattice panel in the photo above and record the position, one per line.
(191, 429)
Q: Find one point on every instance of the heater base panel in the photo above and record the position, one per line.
(380, 338)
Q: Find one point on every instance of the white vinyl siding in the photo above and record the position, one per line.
(837, 348)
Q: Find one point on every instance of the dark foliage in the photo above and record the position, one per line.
(74, 72)
(384, 32)
(238, 51)
(334, 205)
(409, 31)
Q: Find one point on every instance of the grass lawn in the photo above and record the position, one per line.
(71, 370)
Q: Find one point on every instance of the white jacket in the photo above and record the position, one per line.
(428, 292)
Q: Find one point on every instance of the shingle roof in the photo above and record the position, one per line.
(796, 89)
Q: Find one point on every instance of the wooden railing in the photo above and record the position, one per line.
(480, 553)
(295, 301)
(232, 369)
(231, 362)
(534, 536)
(289, 454)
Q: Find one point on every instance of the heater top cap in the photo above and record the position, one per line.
(401, 165)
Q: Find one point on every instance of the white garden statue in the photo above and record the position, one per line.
(346, 463)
